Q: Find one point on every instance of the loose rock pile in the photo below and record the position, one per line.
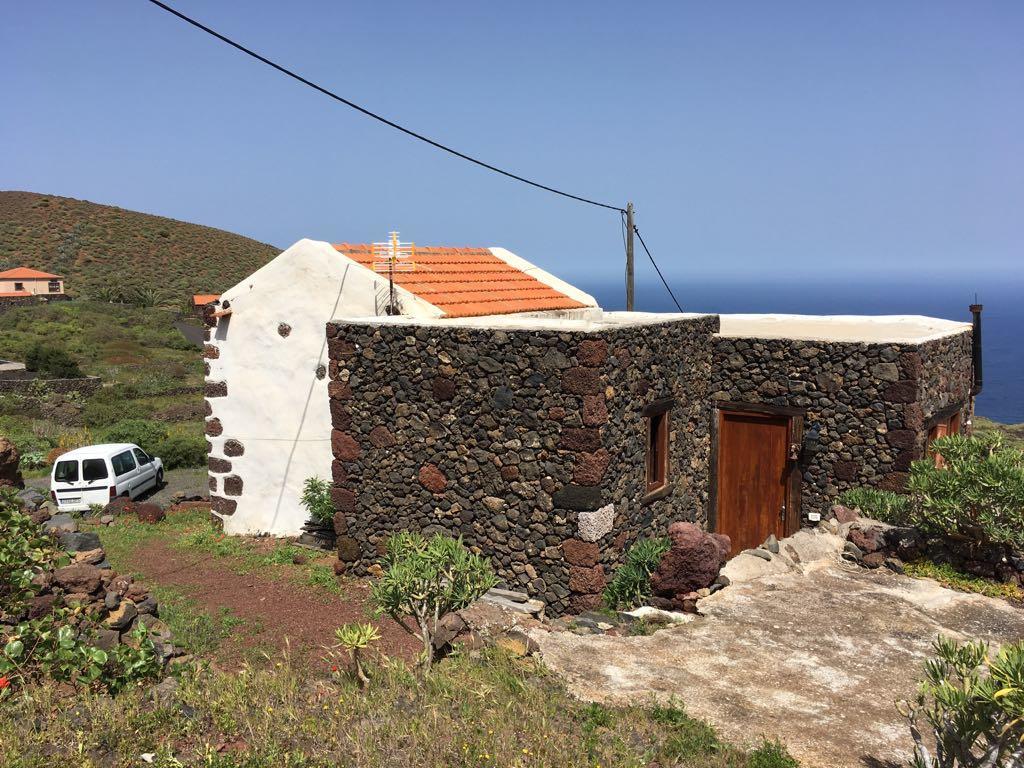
(117, 602)
(874, 544)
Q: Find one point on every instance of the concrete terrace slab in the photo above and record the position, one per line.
(869, 329)
(815, 660)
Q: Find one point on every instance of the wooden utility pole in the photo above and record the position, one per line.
(629, 257)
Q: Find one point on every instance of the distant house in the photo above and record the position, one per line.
(202, 299)
(488, 399)
(23, 282)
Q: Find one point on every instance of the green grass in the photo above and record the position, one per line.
(1013, 434)
(948, 576)
(487, 710)
(195, 631)
(190, 531)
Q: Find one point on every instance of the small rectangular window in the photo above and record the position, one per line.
(19, 286)
(66, 472)
(657, 451)
(54, 286)
(123, 463)
(94, 469)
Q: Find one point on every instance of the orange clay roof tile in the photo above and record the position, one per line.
(469, 282)
(24, 273)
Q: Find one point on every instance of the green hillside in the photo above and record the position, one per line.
(95, 246)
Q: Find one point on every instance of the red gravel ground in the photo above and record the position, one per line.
(279, 614)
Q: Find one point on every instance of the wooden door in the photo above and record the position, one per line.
(753, 477)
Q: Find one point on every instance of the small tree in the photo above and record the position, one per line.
(978, 492)
(316, 498)
(973, 703)
(424, 579)
(355, 638)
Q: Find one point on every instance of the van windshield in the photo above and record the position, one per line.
(66, 471)
(94, 469)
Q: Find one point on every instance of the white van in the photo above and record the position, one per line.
(96, 474)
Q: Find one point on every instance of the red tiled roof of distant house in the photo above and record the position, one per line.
(24, 273)
(202, 299)
(469, 282)
(14, 294)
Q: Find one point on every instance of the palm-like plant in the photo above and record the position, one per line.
(356, 638)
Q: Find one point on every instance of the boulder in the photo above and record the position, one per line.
(76, 541)
(31, 498)
(844, 514)
(60, 524)
(121, 617)
(691, 563)
(868, 535)
(78, 578)
(10, 475)
(122, 505)
(149, 513)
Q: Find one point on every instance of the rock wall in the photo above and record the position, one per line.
(872, 404)
(29, 386)
(530, 444)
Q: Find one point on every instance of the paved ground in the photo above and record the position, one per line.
(815, 659)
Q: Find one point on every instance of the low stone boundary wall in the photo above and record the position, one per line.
(33, 387)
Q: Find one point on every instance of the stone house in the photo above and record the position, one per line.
(269, 417)
(551, 439)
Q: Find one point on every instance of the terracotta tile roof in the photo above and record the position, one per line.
(469, 282)
(24, 273)
(14, 294)
(201, 299)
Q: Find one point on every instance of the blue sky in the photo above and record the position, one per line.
(804, 140)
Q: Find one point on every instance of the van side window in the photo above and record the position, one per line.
(94, 469)
(66, 472)
(123, 463)
(140, 456)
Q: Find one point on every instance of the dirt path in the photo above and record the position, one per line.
(277, 613)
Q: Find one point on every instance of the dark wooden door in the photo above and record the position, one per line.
(753, 477)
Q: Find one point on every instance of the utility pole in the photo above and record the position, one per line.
(629, 257)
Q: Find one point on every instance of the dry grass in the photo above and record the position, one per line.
(487, 711)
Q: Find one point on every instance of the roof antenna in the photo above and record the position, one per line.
(393, 256)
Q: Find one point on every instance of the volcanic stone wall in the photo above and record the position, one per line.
(530, 444)
(873, 404)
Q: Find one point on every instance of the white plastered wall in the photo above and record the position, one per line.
(275, 404)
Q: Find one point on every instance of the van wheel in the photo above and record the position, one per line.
(159, 478)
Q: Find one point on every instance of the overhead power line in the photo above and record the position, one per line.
(374, 115)
(656, 268)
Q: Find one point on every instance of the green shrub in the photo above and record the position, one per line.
(316, 498)
(631, 585)
(108, 406)
(144, 433)
(978, 492)
(60, 644)
(51, 361)
(973, 703)
(181, 450)
(889, 507)
(24, 552)
(424, 579)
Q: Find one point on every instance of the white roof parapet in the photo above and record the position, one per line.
(865, 329)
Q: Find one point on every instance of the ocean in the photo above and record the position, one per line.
(1002, 398)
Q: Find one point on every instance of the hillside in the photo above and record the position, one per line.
(95, 246)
